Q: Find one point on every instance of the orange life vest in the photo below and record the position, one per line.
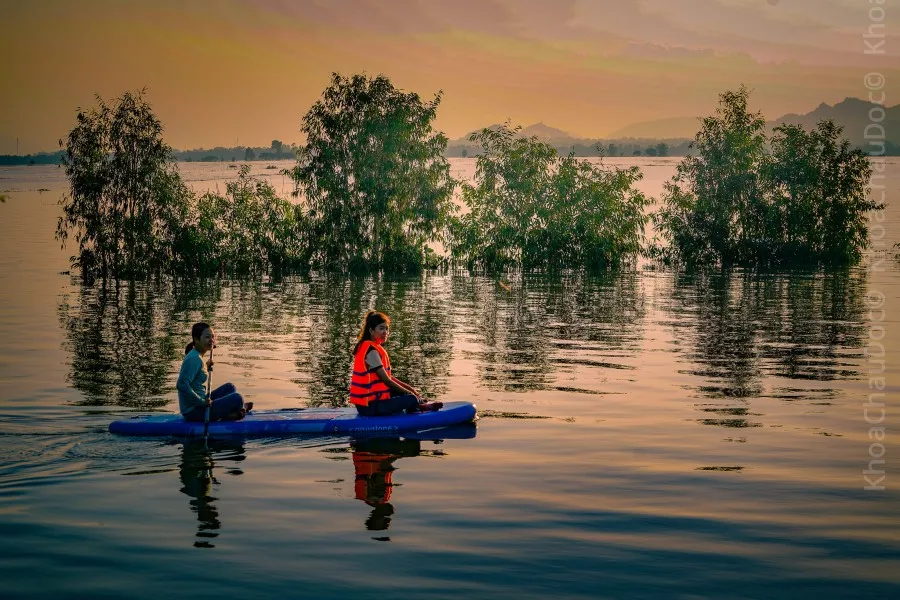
(365, 386)
(374, 477)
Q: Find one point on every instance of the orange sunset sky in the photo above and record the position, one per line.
(228, 72)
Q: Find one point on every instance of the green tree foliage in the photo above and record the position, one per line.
(531, 209)
(133, 216)
(750, 200)
(819, 200)
(251, 230)
(126, 199)
(373, 178)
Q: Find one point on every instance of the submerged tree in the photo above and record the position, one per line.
(714, 206)
(819, 195)
(375, 183)
(531, 209)
(747, 199)
(126, 200)
(250, 230)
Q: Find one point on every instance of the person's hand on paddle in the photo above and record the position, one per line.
(210, 362)
(208, 400)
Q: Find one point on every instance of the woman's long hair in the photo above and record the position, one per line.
(196, 331)
(372, 320)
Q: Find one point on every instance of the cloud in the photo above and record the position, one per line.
(651, 51)
(397, 17)
(249, 69)
(815, 32)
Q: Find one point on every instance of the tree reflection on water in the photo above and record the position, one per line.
(745, 334)
(748, 332)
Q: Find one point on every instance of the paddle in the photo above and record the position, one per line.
(208, 399)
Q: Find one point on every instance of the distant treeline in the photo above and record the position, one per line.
(590, 148)
(629, 147)
(610, 148)
(374, 193)
(41, 158)
(279, 151)
(276, 151)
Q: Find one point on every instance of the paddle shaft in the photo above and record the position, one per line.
(208, 398)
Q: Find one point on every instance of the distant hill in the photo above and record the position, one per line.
(853, 115)
(565, 142)
(543, 132)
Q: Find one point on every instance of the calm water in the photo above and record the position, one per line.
(647, 434)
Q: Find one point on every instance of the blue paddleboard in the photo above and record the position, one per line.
(305, 420)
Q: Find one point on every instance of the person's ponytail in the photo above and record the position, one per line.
(196, 331)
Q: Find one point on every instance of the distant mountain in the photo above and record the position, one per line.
(543, 132)
(565, 143)
(853, 115)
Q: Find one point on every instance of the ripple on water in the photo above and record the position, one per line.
(663, 432)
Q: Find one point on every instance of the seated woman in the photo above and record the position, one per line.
(225, 403)
(373, 390)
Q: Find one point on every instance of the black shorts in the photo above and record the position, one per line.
(390, 406)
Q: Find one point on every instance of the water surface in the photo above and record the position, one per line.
(643, 434)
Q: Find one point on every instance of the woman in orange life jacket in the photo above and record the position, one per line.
(373, 389)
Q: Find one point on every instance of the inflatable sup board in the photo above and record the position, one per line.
(299, 420)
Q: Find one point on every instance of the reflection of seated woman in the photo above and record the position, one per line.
(373, 461)
(373, 390)
(195, 472)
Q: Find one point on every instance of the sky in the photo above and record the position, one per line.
(229, 72)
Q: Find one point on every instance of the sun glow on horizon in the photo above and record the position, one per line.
(222, 73)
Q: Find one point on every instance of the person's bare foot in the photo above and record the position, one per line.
(240, 414)
(234, 416)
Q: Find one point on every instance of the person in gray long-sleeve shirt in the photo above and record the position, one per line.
(225, 403)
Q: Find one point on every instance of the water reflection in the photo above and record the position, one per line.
(374, 461)
(421, 332)
(745, 330)
(125, 339)
(197, 476)
(119, 336)
(373, 465)
(740, 329)
(819, 332)
(536, 326)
